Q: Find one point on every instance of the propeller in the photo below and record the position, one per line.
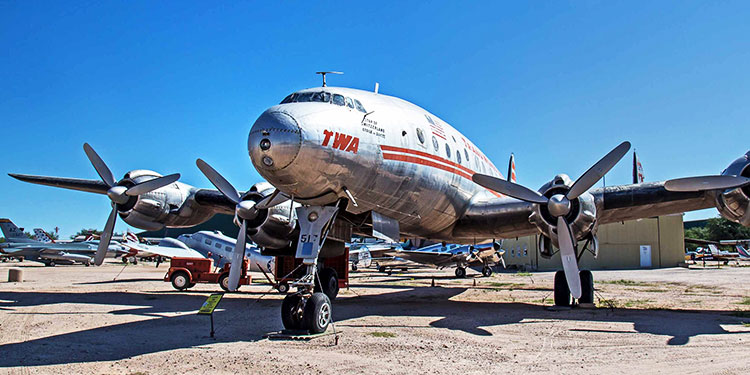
(701, 183)
(119, 195)
(245, 210)
(559, 206)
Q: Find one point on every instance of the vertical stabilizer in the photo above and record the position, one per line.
(11, 231)
(42, 236)
(743, 252)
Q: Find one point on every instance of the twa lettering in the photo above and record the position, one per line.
(341, 141)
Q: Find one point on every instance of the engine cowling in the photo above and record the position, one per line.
(734, 204)
(582, 215)
(152, 210)
(273, 227)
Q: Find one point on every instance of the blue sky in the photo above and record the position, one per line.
(158, 84)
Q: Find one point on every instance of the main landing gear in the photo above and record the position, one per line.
(310, 308)
(562, 292)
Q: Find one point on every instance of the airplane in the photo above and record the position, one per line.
(366, 251)
(44, 250)
(167, 248)
(340, 161)
(217, 246)
(442, 255)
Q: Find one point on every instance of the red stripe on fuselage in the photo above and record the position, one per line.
(416, 160)
(426, 155)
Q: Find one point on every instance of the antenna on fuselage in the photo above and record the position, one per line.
(324, 75)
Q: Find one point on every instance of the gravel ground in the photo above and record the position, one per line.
(72, 319)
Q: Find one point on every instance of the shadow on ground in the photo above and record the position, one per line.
(169, 322)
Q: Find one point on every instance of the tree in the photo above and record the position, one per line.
(719, 228)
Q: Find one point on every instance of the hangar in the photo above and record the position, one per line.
(646, 243)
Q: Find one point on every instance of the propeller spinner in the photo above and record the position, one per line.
(559, 206)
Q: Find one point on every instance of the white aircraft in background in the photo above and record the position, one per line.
(167, 248)
(341, 161)
(217, 246)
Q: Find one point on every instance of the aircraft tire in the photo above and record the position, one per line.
(317, 313)
(180, 280)
(224, 282)
(292, 310)
(460, 272)
(354, 267)
(562, 292)
(486, 271)
(330, 283)
(283, 287)
(381, 269)
(587, 287)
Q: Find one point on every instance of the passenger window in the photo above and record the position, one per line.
(349, 102)
(448, 150)
(339, 99)
(467, 155)
(476, 162)
(420, 135)
(435, 143)
(208, 242)
(304, 97)
(218, 245)
(458, 156)
(359, 106)
(229, 248)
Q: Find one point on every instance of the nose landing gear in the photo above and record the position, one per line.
(310, 308)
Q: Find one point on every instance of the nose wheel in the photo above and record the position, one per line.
(562, 292)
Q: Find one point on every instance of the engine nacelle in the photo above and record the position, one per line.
(155, 209)
(273, 228)
(734, 204)
(582, 215)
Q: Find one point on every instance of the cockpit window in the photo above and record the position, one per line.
(324, 97)
(339, 99)
(359, 106)
(289, 99)
(304, 97)
(321, 97)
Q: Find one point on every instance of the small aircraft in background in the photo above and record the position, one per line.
(366, 251)
(217, 246)
(710, 251)
(167, 248)
(44, 250)
(443, 255)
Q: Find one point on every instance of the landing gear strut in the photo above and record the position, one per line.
(310, 308)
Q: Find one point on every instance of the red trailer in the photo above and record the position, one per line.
(334, 273)
(184, 273)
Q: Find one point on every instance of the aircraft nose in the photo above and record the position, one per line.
(274, 141)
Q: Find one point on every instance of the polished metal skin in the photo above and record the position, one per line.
(400, 161)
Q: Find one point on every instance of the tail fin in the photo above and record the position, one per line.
(10, 230)
(637, 169)
(130, 237)
(743, 253)
(512, 168)
(714, 249)
(42, 236)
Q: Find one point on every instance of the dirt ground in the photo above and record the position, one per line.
(74, 319)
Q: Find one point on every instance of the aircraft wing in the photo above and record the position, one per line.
(438, 259)
(171, 252)
(508, 217)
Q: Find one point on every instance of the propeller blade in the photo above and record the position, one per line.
(272, 200)
(237, 256)
(502, 260)
(508, 188)
(568, 256)
(151, 185)
(597, 171)
(99, 165)
(219, 181)
(101, 251)
(706, 183)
